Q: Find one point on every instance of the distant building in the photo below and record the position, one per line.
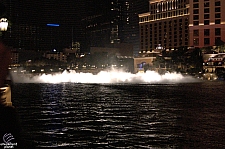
(176, 23)
(121, 49)
(60, 56)
(113, 56)
(132, 33)
(25, 55)
(14, 57)
(74, 50)
(166, 23)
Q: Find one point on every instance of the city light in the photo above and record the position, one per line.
(53, 25)
(113, 76)
(3, 24)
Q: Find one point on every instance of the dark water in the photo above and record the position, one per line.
(190, 115)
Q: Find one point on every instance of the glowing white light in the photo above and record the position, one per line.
(3, 24)
(114, 76)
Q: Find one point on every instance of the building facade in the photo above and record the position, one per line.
(60, 56)
(14, 57)
(112, 21)
(206, 22)
(105, 22)
(176, 23)
(131, 31)
(166, 23)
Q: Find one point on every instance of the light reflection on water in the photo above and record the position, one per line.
(69, 115)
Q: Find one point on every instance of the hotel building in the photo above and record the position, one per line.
(166, 24)
(206, 22)
(176, 23)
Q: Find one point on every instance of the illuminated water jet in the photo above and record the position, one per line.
(114, 76)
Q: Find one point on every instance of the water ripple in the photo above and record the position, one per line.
(122, 115)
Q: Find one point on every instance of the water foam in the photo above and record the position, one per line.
(114, 76)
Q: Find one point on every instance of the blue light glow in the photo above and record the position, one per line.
(52, 24)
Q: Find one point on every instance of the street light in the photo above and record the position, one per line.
(5, 91)
(4, 24)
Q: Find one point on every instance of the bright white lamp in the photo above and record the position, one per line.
(3, 24)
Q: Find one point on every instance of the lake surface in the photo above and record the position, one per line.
(75, 115)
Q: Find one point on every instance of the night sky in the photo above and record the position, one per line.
(67, 13)
(38, 13)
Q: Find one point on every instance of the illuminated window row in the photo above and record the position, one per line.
(206, 22)
(164, 15)
(167, 5)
